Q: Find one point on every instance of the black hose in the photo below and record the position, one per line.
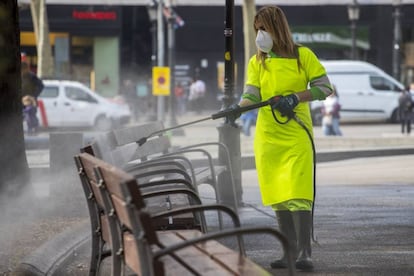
(299, 121)
(293, 116)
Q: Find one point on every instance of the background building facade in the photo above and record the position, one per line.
(102, 44)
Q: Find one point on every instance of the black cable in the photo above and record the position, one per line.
(299, 121)
(278, 121)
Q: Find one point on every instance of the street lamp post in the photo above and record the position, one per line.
(152, 13)
(160, 40)
(172, 18)
(171, 64)
(353, 16)
(229, 135)
(397, 39)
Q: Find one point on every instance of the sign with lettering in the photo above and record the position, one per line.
(94, 15)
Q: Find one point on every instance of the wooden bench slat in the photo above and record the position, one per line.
(222, 256)
(105, 229)
(155, 205)
(101, 234)
(131, 253)
(193, 256)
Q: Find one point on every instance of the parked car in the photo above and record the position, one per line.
(366, 93)
(72, 104)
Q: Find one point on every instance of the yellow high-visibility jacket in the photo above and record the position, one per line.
(283, 152)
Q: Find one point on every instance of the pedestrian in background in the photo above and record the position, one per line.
(197, 94)
(405, 103)
(29, 114)
(283, 147)
(330, 115)
(31, 84)
(31, 87)
(180, 98)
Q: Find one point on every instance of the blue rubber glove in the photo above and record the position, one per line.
(286, 104)
(233, 115)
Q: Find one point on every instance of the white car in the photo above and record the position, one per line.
(72, 104)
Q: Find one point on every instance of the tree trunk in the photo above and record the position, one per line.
(249, 10)
(45, 66)
(13, 163)
(34, 10)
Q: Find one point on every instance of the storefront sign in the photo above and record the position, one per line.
(94, 15)
(330, 38)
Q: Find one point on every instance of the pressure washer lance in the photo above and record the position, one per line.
(215, 116)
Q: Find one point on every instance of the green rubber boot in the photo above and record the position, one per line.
(287, 227)
(303, 226)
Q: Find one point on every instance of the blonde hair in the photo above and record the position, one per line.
(28, 100)
(275, 23)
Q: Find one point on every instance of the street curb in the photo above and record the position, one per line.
(52, 255)
(248, 162)
(43, 142)
(36, 142)
(361, 153)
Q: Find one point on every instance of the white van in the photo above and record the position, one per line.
(366, 93)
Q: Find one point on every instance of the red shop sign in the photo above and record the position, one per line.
(94, 15)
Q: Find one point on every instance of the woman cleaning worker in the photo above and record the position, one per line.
(283, 145)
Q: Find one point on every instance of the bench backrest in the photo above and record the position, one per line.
(165, 175)
(123, 199)
(99, 219)
(103, 145)
(153, 147)
(127, 148)
(134, 133)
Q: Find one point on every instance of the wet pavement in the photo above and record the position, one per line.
(364, 210)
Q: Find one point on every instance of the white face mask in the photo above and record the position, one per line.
(264, 41)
